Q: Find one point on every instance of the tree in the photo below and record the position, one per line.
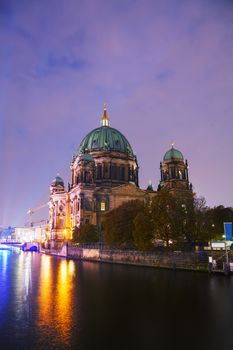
(167, 220)
(217, 216)
(86, 233)
(201, 225)
(118, 224)
(143, 230)
(185, 216)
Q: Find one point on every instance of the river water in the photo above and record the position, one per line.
(53, 303)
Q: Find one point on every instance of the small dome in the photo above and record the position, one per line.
(58, 181)
(150, 186)
(173, 154)
(86, 157)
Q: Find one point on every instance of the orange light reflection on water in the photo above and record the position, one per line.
(63, 298)
(55, 298)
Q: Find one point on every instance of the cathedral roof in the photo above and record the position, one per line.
(173, 154)
(86, 156)
(105, 138)
(58, 181)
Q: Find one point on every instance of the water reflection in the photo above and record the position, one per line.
(51, 303)
(4, 257)
(63, 299)
(45, 294)
(22, 273)
(55, 299)
(4, 280)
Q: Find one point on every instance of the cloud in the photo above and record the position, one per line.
(54, 64)
(165, 68)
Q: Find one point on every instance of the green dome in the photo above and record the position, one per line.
(58, 181)
(173, 154)
(105, 138)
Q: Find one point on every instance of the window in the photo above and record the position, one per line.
(99, 171)
(102, 206)
(117, 144)
(106, 171)
(94, 144)
(117, 172)
(85, 176)
(122, 173)
(114, 174)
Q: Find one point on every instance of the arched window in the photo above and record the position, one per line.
(114, 173)
(122, 173)
(106, 175)
(99, 171)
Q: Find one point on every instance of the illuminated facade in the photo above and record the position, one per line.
(30, 234)
(104, 175)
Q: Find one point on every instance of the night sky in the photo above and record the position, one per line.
(164, 68)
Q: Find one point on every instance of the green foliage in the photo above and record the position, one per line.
(208, 224)
(217, 216)
(86, 233)
(202, 221)
(118, 224)
(143, 230)
(185, 208)
(177, 216)
(167, 216)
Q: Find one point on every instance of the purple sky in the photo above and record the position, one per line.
(164, 68)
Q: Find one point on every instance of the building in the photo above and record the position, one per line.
(104, 175)
(30, 234)
(174, 171)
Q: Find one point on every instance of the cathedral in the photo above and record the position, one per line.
(104, 175)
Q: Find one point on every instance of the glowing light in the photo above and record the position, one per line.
(63, 271)
(105, 121)
(71, 267)
(102, 206)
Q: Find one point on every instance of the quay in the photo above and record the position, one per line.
(175, 260)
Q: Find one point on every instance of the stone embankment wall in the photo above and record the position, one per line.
(61, 250)
(197, 261)
(174, 260)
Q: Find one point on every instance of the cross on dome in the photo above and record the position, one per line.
(105, 121)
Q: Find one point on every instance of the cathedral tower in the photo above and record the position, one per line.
(174, 171)
(58, 210)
